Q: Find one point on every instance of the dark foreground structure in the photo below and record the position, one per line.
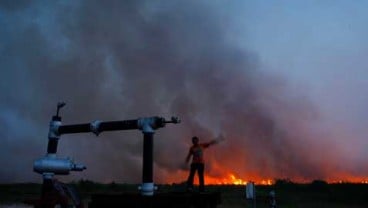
(174, 200)
(48, 166)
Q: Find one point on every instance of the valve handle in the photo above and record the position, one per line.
(174, 120)
(59, 105)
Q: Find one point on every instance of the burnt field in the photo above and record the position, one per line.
(288, 194)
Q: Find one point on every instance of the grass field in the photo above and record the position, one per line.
(317, 194)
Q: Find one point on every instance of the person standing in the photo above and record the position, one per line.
(196, 151)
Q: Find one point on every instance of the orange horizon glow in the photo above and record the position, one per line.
(232, 179)
(220, 174)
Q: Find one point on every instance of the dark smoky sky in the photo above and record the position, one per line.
(116, 60)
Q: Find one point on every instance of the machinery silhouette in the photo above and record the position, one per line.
(54, 192)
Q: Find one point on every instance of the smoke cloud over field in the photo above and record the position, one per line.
(116, 60)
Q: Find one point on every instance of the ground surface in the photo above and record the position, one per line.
(289, 195)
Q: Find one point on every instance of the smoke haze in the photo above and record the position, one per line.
(117, 60)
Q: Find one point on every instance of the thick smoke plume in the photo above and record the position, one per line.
(115, 60)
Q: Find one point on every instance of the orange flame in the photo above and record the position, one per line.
(232, 179)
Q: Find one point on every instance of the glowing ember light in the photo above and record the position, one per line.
(232, 179)
(237, 181)
(266, 182)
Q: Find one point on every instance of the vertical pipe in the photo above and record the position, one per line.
(147, 187)
(53, 136)
(47, 187)
(52, 145)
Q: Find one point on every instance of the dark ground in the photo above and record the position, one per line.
(317, 194)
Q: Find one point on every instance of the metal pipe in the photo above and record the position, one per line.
(50, 165)
(52, 146)
(53, 136)
(147, 188)
(97, 127)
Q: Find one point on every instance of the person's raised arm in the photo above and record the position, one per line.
(212, 142)
(217, 140)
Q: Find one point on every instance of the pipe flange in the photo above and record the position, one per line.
(95, 127)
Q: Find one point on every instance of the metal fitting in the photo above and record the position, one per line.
(147, 189)
(54, 129)
(147, 125)
(95, 127)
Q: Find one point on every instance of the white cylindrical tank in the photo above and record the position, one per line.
(57, 166)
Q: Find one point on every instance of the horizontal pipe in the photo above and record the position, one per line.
(74, 128)
(118, 125)
(102, 126)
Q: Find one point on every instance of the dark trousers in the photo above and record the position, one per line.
(193, 168)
